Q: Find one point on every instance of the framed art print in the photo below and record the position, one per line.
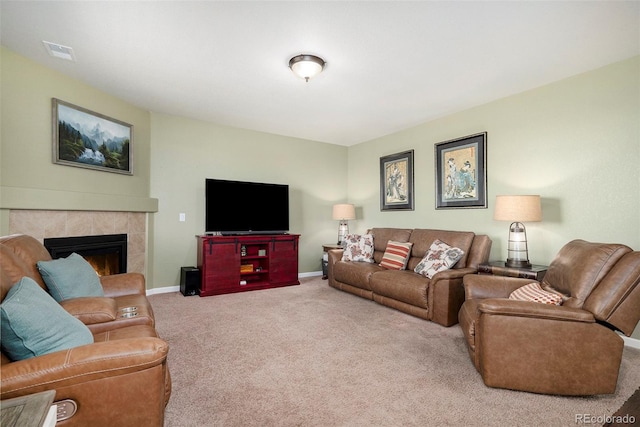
(396, 181)
(90, 140)
(461, 172)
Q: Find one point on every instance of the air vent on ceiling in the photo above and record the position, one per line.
(59, 51)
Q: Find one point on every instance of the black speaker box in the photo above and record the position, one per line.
(189, 281)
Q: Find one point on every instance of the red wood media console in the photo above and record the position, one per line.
(245, 263)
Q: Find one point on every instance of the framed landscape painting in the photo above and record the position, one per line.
(461, 172)
(396, 181)
(87, 139)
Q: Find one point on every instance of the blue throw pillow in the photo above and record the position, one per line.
(70, 277)
(32, 323)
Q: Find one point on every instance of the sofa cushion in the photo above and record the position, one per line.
(358, 248)
(405, 286)
(382, 235)
(396, 255)
(533, 292)
(356, 274)
(439, 257)
(423, 238)
(33, 323)
(578, 268)
(70, 277)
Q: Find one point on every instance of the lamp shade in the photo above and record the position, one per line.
(344, 211)
(306, 66)
(518, 208)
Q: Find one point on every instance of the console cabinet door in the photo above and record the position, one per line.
(220, 266)
(283, 261)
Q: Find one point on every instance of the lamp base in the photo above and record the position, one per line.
(517, 263)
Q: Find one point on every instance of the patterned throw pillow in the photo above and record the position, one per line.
(439, 257)
(358, 248)
(534, 292)
(396, 255)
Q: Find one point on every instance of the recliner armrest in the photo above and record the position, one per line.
(91, 310)
(507, 307)
(335, 255)
(480, 286)
(116, 285)
(82, 364)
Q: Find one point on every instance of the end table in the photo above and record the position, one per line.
(325, 260)
(498, 268)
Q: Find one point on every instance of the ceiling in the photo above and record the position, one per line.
(390, 65)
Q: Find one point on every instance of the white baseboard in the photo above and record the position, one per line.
(164, 290)
(631, 342)
(168, 289)
(310, 274)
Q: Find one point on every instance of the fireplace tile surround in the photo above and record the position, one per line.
(43, 224)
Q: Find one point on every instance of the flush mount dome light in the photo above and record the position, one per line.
(306, 66)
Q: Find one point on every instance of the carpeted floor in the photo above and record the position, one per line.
(311, 355)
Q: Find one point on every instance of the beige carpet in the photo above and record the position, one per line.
(311, 355)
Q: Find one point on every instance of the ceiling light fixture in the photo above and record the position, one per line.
(306, 66)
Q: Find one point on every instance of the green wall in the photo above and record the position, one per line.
(186, 151)
(28, 175)
(575, 142)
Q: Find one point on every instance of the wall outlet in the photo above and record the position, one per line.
(182, 217)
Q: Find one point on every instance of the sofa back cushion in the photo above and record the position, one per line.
(422, 240)
(18, 257)
(578, 268)
(382, 235)
(616, 300)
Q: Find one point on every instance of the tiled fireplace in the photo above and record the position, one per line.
(43, 224)
(107, 253)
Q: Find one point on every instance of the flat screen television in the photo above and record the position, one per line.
(238, 207)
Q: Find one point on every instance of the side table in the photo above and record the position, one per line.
(33, 410)
(325, 259)
(498, 268)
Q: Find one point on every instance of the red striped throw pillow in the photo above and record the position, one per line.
(396, 255)
(533, 292)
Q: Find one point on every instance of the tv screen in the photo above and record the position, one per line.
(238, 207)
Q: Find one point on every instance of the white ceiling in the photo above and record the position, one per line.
(390, 65)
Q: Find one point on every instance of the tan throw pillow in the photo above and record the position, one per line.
(358, 248)
(533, 292)
(396, 255)
(439, 257)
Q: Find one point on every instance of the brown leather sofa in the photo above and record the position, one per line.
(437, 299)
(121, 378)
(571, 349)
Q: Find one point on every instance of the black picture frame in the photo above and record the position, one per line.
(461, 172)
(396, 181)
(90, 140)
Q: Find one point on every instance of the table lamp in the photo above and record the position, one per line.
(343, 213)
(518, 209)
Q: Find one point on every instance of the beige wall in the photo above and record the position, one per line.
(185, 152)
(575, 142)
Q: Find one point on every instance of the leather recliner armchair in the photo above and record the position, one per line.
(120, 379)
(571, 349)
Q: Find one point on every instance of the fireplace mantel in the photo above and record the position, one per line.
(43, 199)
